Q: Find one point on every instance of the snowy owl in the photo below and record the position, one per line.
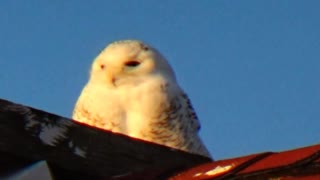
(132, 90)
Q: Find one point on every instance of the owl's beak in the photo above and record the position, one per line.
(108, 75)
(112, 74)
(113, 80)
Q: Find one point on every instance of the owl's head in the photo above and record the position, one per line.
(129, 61)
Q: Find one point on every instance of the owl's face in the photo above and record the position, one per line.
(129, 61)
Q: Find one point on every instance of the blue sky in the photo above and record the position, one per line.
(251, 68)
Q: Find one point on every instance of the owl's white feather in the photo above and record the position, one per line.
(133, 90)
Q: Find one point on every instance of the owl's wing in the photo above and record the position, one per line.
(185, 117)
(190, 113)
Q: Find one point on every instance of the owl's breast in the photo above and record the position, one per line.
(144, 105)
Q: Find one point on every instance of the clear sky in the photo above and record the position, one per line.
(251, 68)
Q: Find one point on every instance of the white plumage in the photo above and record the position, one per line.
(133, 90)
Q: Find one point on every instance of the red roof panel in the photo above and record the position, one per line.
(302, 163)
(285, 158)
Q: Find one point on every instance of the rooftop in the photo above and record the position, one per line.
(34, 143)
